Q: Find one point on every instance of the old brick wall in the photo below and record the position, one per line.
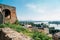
(12, 12)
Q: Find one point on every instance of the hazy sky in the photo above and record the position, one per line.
(35, 9)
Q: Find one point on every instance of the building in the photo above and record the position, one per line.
(7, 14)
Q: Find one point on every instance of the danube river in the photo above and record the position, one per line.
(50, 25)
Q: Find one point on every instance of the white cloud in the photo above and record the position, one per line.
(47, 12)
(36, 8)
(32, 6)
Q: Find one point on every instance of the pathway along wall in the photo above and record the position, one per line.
(9, 34)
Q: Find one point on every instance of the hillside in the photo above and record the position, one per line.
(32, 34)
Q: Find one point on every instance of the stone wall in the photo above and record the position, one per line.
(9, 34)
(12, 13)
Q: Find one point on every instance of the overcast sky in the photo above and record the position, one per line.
(36, 9)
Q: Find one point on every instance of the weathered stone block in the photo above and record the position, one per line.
(9, 34)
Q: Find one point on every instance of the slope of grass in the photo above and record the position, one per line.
(33, 34)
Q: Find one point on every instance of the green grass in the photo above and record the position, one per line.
(33, 34)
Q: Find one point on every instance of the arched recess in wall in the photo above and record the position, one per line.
(7, 13)
(1, 18)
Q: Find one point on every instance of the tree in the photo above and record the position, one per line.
(44, 25)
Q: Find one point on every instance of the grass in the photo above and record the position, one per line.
(33, 34)
(17, 28)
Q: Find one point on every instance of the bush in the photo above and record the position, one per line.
(40, 36)
(33, 34)
(17, 22)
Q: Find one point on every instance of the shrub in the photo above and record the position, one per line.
(33, 34)
(40, 36)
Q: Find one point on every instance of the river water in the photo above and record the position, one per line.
(50, 25)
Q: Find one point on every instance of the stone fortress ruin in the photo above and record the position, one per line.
(7, 14)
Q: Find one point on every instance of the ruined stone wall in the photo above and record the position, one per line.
(9, 34)
(12, 12)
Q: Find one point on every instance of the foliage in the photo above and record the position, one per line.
(54, 22)
(40, 36)
(44, 25)
(17, 22)
(37, 25)
(31, 23)
(33, 34)
(16, 27)
(53, 31)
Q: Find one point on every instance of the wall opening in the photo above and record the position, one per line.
(7, 13)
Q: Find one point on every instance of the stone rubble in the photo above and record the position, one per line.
(9, 34)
